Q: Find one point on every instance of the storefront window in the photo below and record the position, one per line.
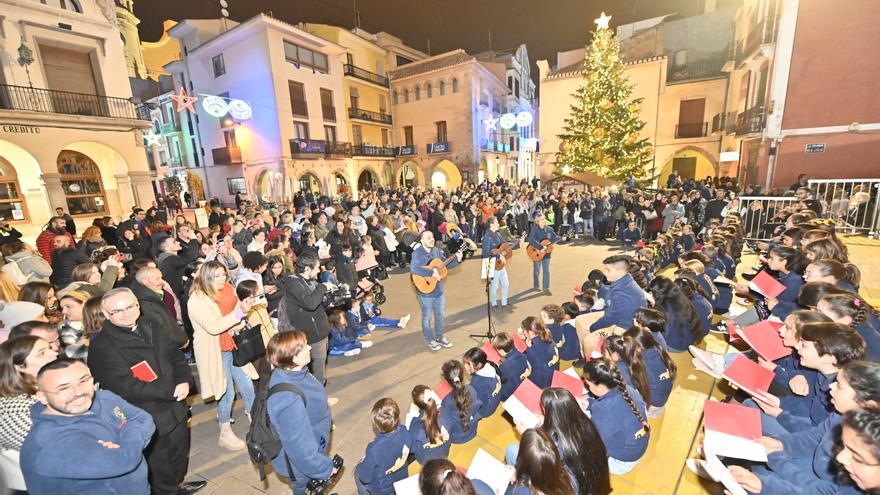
(81, 182)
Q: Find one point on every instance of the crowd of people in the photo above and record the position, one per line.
(130, 309)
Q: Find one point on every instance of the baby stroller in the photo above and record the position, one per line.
(369, 274)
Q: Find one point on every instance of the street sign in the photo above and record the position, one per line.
(815, 148)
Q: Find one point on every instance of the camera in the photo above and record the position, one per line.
(338, 296)
(319, 487)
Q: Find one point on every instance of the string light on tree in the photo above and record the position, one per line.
(602, 132)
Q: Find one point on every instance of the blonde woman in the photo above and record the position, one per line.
(216, 313)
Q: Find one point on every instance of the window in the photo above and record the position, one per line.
(384, 137)
(81, 183)
(330, 133)
(454, 85)
(236, 185)
(349, 59)
(510, 83)
(297, 99)
(690, 119)
(71, 5)
(442, 88)
(418, 93)
(383, 108)
(516, 88)
(408, 135)
(403, 61)
(406, 95)
(354, 98)
(11, 203)
(441, 131)
(219, 65)
(512, 143)
(429, 90)
(303, 57)
(394, 98)
(357, 134)
(327, 108)
(300, 130)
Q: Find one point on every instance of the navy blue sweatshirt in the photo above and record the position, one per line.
(422, 448)
(544, 359)
(61, 454)
(487, 384)
(571, 347)
(514, 369)
(385, 461)
(622, 433)
(659, 377)
(451, 420)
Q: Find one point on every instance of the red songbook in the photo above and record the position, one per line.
(568, 382)
(751, 378)
(442, 389)
(144, 372)
(530, 395)
(519, 343)
(766, 285)
(732, 419)
(733, 331)
(640, 244)
(491, 354)
(764, 338)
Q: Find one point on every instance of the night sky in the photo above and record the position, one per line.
(546, 26)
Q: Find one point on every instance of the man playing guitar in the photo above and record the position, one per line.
(432, 303)
(541, 238)
(492, 242)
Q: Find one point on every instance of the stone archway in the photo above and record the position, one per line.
(445, 175)
(308, 182)
(269, 186)
(701, 162)
(410, 175)
(25, 169)
(367, 180)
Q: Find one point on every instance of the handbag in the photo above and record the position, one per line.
(249, 345)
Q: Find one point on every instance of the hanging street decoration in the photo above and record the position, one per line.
(491, 124)
(523, 119)
(152, 139)
(240, 110)
(218, 107)
(508, 121)
(184, 101)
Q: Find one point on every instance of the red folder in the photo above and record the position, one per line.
(442, 389)
(519, 343)
(752, 378)
(491, 354)
(766, 285)
(530, 395)
(764, 338)
(568, 382)
(733, 331)
(144, 372)
(732, 419)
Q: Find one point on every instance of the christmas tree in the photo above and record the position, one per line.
(602, 131)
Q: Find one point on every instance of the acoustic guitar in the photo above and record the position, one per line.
(426, 285)
(504, 253)
(537, 254)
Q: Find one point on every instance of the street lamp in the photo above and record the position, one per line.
(26, 58)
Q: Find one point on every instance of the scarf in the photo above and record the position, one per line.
(226, 301)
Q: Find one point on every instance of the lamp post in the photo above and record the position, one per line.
(26, 58)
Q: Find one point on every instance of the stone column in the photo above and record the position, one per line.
(140, 188)
(54, 191)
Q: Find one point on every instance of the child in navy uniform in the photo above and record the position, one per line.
(430, 440)
(571, 348)
(630, 235)
(541, 353)
(356, 327)
(551, 316)
(370, 314)
(660, 369)
(341, 342)
(484, 379)
(459, 411)
(514, 367)
(385, 458)
(618, 412)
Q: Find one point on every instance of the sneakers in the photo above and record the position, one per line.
(721, 327)
(404, 321)
(547, 292)
(353, 352)
(443, 342)
(366, 344)
(434, 346)
(332, 401)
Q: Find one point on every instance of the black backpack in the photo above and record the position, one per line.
(262, 440)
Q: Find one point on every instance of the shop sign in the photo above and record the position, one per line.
(21, 129)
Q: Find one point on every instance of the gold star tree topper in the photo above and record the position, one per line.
(602, 21)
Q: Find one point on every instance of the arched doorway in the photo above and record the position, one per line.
(408, 175)
(269, 185)
(387, 174)
(341, 184)
(691, 163)
(81, 183)
(367, 181)
(12, 205)
(309, 183)
(446, 175)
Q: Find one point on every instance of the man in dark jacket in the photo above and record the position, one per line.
(624, 296)
(303, 296)
(189, 245)
(132, 358)
(173, 264)
(714, 207)
(149, 288)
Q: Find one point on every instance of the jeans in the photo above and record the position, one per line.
(341, 349)
(511, 453)
(432, 306)
(236, 378)
(500, 278)
(384, 322)
(319, 360)
(537, 266)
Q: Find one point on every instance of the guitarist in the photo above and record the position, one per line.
(432, 304)
(492, 240)
(540, 232)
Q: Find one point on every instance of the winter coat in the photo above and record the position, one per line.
(32, 266)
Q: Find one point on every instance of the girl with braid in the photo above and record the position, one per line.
(660, 369)
(430, 439)
(618, 412)
(541, 352)
(853, 311)
(631, 368)
(459, 411)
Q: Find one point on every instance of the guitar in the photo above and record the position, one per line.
(504, 253)
(537, 254)
(426, 285)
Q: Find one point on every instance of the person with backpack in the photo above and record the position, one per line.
(295, 407)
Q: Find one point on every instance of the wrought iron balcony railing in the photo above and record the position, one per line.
(65, 102)
(355, 71)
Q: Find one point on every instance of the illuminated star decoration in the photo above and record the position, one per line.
(152, 139)
(184, 101)
(491, 124)
(602, 21)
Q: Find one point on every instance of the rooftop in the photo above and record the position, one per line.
(442, 61)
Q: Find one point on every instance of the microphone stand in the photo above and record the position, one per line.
(490, 330)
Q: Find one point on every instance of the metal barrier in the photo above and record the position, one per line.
(763, 214)
(854, 204)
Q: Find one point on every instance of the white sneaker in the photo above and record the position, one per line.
(404, 321)
(332, 401)
(712, 362)
(353, 352)
(365, 345)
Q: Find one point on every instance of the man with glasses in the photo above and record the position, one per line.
(83, 441)
(137, 359)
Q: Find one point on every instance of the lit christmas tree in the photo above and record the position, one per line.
(602, 132)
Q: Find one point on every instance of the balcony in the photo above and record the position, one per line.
(65, 102)
(690, 71)
(365, 75)
(730, 122)
(329, 113)
(750, 122)
(408, 150)
(439, 147)
(170, 128)
(173, 162)
(760, 34)
(718, 122)
(691, 130)
(315, 148)
(370, 150)
(229, 155)
(361, 114)
(496, 146)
